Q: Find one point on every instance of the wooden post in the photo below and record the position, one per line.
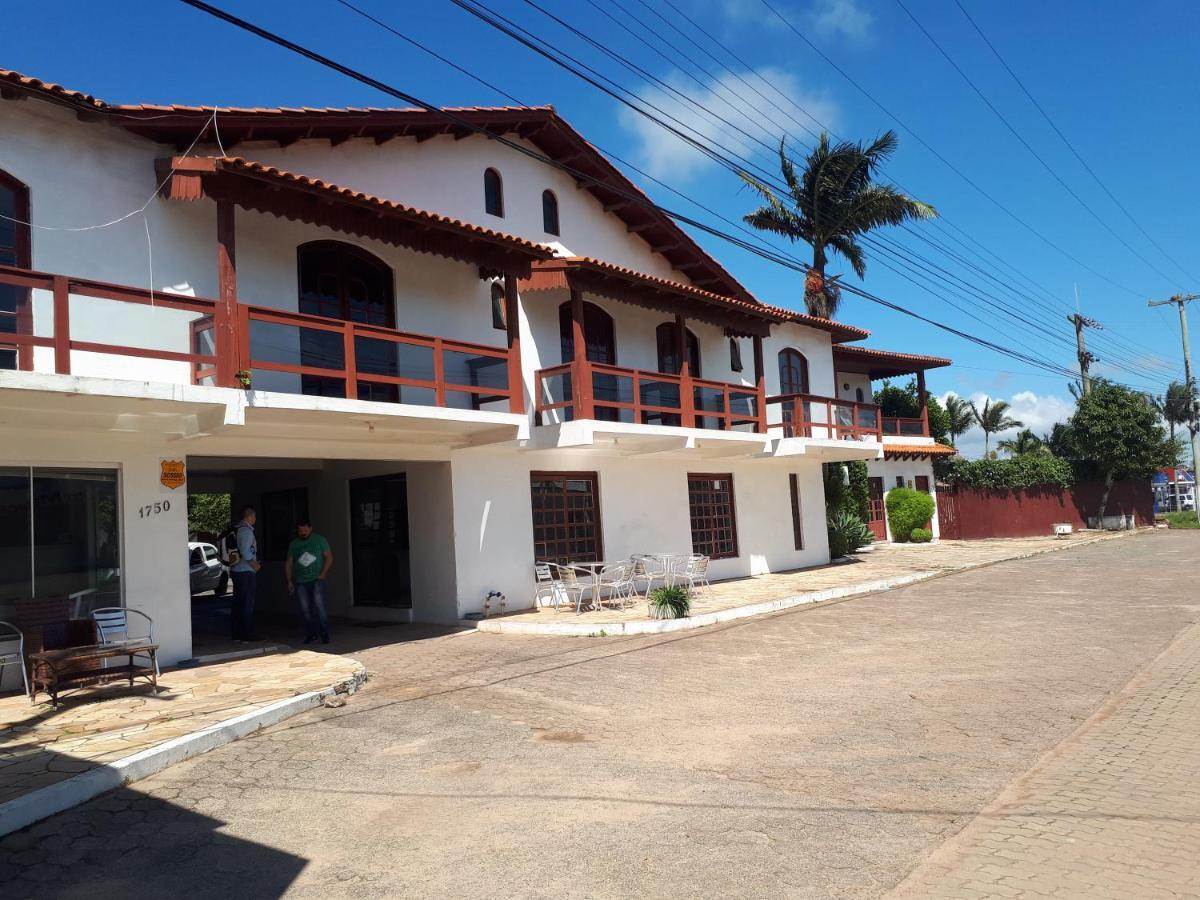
(225, 316)
(439, 374)
(349, 365)
(924, 407)
(687, 398)
(760, 384)
(512, 322)
(581, 374)
(62, 325)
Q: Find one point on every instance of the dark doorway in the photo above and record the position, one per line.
(379, 541)
(16, 315)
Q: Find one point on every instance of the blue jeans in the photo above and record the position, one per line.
(311, 595)
(242, 610)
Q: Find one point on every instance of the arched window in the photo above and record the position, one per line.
(598, 329)
(493, 193)
(341, 281)
(793, 372)
(668, 359)
(16, 315)
(549, 213)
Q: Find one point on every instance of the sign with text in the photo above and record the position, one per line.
(172, 474)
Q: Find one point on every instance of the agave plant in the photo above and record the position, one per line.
(670, 603)
(853, 530)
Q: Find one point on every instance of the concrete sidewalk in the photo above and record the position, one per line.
(883, 567)
(42, 748)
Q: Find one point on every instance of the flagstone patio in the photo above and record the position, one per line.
(884, 566)
(40, 745)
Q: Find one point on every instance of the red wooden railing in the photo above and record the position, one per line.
(226, 345)
(906, 427)
(808, 415)
(591, 390)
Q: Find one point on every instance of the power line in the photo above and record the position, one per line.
(451, 116)
(1070, 146)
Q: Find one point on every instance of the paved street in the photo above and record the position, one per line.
(820, 752)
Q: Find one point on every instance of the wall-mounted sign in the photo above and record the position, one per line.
(172, 474)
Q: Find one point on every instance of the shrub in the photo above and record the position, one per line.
(670, 603)
(853, 530)
(920, 536)
(907, 509)
(860, 489)
(837, 542)
(1015, 473)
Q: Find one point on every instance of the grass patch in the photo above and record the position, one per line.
(1184, 519)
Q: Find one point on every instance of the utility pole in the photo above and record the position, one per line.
(1086, 357)
(1181, 301)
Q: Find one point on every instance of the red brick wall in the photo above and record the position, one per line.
(968, 514)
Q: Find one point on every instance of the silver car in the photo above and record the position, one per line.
(205, 569)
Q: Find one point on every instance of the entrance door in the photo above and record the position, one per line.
(379, 541)
(877, 521)
(921, 483)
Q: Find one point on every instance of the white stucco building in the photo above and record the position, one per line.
(453, 356)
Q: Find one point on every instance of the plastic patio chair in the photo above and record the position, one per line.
(114, 620)
(9, 634)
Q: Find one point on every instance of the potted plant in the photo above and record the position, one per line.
(670, 603)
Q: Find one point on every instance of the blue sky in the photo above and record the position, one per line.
(1116, 78)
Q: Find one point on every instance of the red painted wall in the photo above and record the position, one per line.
(967, 514)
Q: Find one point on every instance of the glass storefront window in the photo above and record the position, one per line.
(59, 537)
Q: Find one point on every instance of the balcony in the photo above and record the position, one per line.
(905, 427)
(73, 326)
(587, 390)
(811, 416)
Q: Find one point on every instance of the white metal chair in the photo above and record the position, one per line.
(647, 570)
(114, 620)
(9, 634)
(569, 585)
(544, 585)
(617, 579)
(694, 572)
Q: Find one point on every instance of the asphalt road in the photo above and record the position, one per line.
(821, 752)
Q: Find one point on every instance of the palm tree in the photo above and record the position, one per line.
(1024, 443)
(993, 418)
(959, 413)
(830, 204)
(1178, 406)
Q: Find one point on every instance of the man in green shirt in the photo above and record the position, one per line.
(308, 561)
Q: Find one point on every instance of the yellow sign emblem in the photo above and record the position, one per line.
(173, 473)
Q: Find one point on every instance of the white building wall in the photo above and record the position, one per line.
(643, 509)
(850, 383)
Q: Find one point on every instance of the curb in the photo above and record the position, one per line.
(23, 811)
(667, 626)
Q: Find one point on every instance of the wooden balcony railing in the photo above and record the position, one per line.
(905, 427)
(590, 390)
(807, 415)
(200, 341)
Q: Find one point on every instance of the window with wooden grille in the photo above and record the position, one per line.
(714, 522)
(566, 517)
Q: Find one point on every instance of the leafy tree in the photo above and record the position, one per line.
(1024, 444)
(830, 203)
(994, 417)
(1117, 430)
(959, 417)
(903, 403)
(210, 513)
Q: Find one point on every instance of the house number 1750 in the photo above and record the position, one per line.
(153, 509)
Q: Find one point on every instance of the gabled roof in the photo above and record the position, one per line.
(540, 125)
(883, 363)
(267, 189)
(839, 331)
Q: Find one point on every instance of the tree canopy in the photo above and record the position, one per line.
(902, 402)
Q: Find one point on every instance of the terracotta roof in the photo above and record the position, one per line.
(883, 363)
(840, 330)
(540, 125)
(894, 450)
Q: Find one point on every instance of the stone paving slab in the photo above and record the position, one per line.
(40, 746)
(883, 567)
(1112, 812)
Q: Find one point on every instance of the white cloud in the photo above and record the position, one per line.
(844, 17)
(1037, 412)
(664, 154)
